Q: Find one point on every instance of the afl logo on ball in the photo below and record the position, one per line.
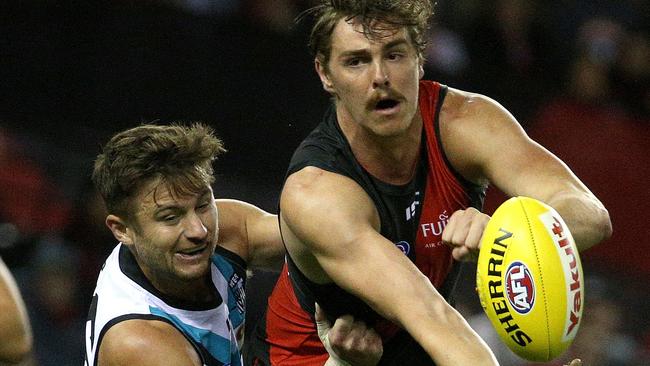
(520, 288)
(404, 247)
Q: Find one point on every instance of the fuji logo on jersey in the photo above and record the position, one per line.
(404, 247)
(520, 288)
(435, 228)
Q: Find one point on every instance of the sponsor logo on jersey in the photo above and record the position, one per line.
(435, 228)
(520, 287)
(410, 210)
(433, 245)
(236, 285)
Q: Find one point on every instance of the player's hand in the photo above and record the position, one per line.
(463, 233)
(348, 342)
(576, 362)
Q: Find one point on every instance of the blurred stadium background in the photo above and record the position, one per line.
(575, 73)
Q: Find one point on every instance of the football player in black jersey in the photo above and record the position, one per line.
(369, 57)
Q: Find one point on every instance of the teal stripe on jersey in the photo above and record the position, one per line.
(219, 347)
(237, 297)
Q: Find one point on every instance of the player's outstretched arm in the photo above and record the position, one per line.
(485, 143)
(330, 227)
(15, 329)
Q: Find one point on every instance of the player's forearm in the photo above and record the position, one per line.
(585, 216)
(424, 313)
(449, 339)
(438, 327)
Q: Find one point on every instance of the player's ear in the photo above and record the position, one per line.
(321, 69)
(421, 70)
(120, 229)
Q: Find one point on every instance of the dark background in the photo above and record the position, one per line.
(72, 73)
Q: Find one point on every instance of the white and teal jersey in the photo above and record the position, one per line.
(123, 293)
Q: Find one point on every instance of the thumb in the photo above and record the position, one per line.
(322, 324)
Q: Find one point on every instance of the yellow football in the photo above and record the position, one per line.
(529, 279)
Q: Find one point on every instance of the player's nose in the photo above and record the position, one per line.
(195, 228)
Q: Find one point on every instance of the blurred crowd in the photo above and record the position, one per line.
(575, 73)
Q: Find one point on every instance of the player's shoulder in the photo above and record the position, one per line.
(313, 188)
(467, 108)
(318, 183)
(468, 118)
(236, 209)
(471, 127)
(309, 177)
(145, 342)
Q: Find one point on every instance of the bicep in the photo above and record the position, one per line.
(265, 244)
(250, 232)
(528, 169)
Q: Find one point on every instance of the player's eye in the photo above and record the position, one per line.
(353, 62)
(170, 218)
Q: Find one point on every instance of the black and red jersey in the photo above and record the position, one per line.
(412, 216)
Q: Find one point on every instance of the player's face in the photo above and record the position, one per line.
(375, 81)
(175, 235)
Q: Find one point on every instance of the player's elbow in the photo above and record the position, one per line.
(600, 229)
(605, 225)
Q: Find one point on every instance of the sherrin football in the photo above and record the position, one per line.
(529, 279)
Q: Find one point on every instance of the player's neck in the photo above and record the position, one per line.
(391, 159)
(199, 290)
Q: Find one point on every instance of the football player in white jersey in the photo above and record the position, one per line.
(172, 291)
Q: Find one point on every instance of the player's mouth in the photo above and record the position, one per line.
(192, 254)
(386, 106)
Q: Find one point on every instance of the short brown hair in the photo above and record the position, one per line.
(178, 155)
(412, 14)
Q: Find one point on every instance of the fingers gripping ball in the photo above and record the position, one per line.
(529, 279)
